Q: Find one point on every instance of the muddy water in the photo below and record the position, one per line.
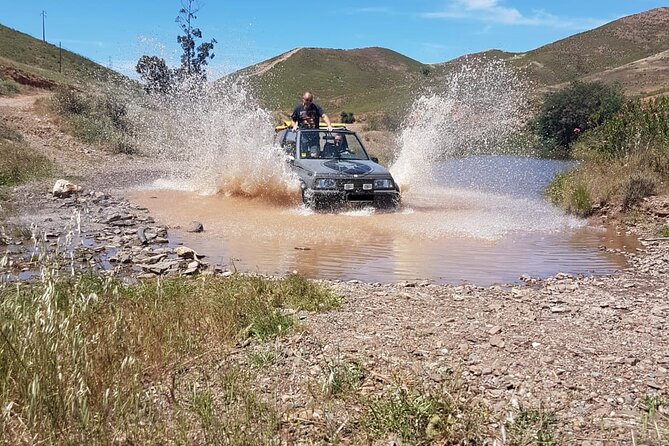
(481, 220)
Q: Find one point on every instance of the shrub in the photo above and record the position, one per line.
(636, 189)
(125, 146)
(423, 417)
(9, 134)
(19, 164)
(69, 102)
(347, 117)
(9, 87)
(580, 202)
(117, 112)
(638, 126)
(532, 426)
(97, 119)
(565, 114)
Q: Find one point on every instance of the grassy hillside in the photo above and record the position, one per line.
(31, 62)
(361, 80)
(612, 45)
(628, 51)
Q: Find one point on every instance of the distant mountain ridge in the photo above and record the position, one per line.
(630, 51)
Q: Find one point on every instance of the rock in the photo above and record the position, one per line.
(141, 234)
(151, 260)
(195, 226)
(559, 310)
(497, 341)
(187, 253)
(193, 267)
(161, 267)
(654, 385)
(65, 189)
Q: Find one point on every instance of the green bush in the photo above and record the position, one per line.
(567, 113)
(424, 417)
(638, 126)
(96, 119)
(347, 117)
(580, 202)
(69, 102)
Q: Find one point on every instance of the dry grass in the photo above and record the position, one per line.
(88, 360)
(617, 182)
(623, 160)
(9, 88)
(19, 164)
(93, 119)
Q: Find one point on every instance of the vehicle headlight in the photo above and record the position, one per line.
(325, 183)
(383, 184)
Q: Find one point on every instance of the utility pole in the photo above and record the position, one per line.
(43, 33)
(60, 57)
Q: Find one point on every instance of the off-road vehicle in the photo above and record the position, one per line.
(334, 169)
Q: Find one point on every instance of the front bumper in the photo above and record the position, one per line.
(331, 198)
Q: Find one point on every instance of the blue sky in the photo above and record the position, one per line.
(119, 32)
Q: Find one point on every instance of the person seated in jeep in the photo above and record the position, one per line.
(334, 147)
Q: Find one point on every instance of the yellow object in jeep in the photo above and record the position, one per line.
(289, 124)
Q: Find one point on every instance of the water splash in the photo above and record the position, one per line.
(478, 108)
(218, 139)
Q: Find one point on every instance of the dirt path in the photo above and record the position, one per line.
(26, 115)
(263, 68)
(90, 165)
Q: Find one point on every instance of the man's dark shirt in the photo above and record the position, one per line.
(308, 116)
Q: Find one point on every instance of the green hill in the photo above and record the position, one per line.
(362, 80)
(29, 61)
(630, 51)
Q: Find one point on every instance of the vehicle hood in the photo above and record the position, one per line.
(342, 167)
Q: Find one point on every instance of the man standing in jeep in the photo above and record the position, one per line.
(308, 114)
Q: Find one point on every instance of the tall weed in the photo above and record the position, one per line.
(81, 355)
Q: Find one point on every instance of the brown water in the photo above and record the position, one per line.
(465, 230)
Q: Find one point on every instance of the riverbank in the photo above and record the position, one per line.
(562, 360)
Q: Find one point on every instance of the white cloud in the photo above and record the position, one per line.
(373, 10)
(478, 4)
(492, 11)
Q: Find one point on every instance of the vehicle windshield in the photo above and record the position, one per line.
(320, 144)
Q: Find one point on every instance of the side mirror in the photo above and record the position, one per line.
(374, 159)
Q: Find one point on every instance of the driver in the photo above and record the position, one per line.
(339, 142)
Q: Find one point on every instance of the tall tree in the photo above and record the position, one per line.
(195, 57)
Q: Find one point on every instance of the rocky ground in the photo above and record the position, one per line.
(593, 349)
